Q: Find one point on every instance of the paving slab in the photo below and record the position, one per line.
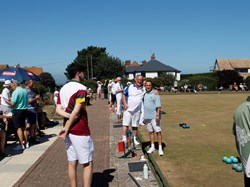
(45, 164)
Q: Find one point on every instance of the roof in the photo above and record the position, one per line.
(3, 66)
(154, 65)
(36, 70)
(232, 63)
(131, 69)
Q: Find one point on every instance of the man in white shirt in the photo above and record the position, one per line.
(113, 96)
(118, 91)
(133, 102)
(5, 107)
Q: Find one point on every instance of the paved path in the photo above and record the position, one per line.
(46, 164)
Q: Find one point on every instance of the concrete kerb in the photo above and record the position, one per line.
(121, 165)
(153, 165)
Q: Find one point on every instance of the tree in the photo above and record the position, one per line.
(228, 77)
(47, 80)
(98, 63)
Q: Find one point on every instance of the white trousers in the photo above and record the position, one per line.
(119, 105)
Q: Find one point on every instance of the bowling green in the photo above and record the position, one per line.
(193, 157)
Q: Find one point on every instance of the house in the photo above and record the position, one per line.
(151, 69)
(241, 65)
(36, 70)
(3, 66)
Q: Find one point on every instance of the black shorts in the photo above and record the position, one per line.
(113, 98)
(31, 117)
(19, 117)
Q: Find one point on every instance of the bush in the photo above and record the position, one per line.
(247, 82)
(210, 82)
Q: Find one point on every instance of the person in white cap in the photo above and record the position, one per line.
(5, 107)
(118, 92)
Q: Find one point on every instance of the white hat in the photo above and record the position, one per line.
(7, 83)
(128, 83)
(56, 92)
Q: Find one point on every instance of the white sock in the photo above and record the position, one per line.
(153, 146)
(160, 147)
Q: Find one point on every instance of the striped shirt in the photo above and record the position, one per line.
(70, 94)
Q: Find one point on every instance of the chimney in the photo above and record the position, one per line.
(127, 63)
(143, 62)
(153, 57)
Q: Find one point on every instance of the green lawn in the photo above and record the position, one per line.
(193, 157)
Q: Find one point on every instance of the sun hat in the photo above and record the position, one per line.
(7, 83)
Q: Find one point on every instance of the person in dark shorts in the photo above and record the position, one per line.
(31, 121)
(19, 103)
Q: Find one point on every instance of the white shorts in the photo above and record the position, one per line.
(152, 125)
(132, 119)
(79, 148)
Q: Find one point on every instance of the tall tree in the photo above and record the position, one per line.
(47, 80)
(98, 63)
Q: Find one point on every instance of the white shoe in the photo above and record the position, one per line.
(161, 153)
(27, 145)
(136, 142)
(151, 150)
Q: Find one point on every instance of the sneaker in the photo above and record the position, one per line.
(34, 140)
(151, 150)
(27, 145)
(161, 152)
(19, 148)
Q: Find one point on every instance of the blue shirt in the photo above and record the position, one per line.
(31, 106)
(151, 103)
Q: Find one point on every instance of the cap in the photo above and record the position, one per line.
(14, 82)
(7, 83)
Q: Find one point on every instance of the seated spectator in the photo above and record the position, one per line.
(235, 87)
(221, 88)
(44, 121)
(2, 139)
(200, 87)
(186, 88)
(241, 87)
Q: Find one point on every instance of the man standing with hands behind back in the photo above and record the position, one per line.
(152, 116)
(76, 133)
(132, 101)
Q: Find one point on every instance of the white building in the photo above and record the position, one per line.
(150, 69)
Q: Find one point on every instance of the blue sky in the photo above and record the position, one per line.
(187, 35)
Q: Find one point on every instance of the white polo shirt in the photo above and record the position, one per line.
(134, 97)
